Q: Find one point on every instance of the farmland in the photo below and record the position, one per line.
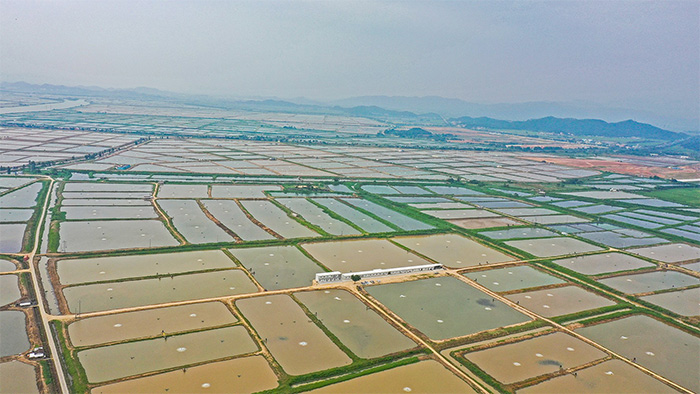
(151, 250)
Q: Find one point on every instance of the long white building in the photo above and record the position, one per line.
(336, 276)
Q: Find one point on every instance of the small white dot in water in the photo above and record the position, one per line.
(650, 354)
(346, 321)
(438, 284)
(336, 298)
(327, 292)
(539, 355)
(570, 349)
(193, 315)
(117, 325)
(440, 321)
(268, 302)
(104, 239)
(487, 308)
(199, 259)
(302, 343)
(496, 283)
(483, 255)
(407, 389)
(550, 295)
(402, 296)
(143, 235)
(181, 349)
(458, 262)
(528, 297)
(110, 289)
(206, 385)
(623, 337)
(517, 364)
(609, 373)
(272, 254)
(545, 306)
(102, 272)
(266, 264)
(343, 261)
(232, 288)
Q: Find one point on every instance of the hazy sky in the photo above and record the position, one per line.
(637, 54)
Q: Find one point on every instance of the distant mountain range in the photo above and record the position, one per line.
(577, 127)
(406, 110)
(451, 107)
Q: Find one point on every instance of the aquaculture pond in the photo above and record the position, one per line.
(560, 301)
(8, 215)
(650, 281)
(671, 253)
(296, 343)
(119, 267)
(246, 374)
(182, 191)
(113, 234)
(190, 221)
(683, 302)
(400, 220)
(365, 222)
(541, 355)
(148, 323)
(11, 237)
(113, 212)
(547, 247)
(115, 295)
(7, 265)
(278, 267)
(358, 327)
(485, 223)
(132, 358)
(519, 233)
(242, 191)
(361, 255)
(663, 349)
(13, 333)
(453, 250)
(613, 376)
(460, 213)
(513, 278)
(315, 215)
(21, 198)
(594, 264)
(445, 307)
(427, 376)
(230, 215)
(17, 377)
(146, 188)
(104, 202)
(9, 289)
(276, 219)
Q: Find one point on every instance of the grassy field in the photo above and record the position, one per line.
(689, 196)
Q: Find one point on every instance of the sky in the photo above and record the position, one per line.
(643, 55)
